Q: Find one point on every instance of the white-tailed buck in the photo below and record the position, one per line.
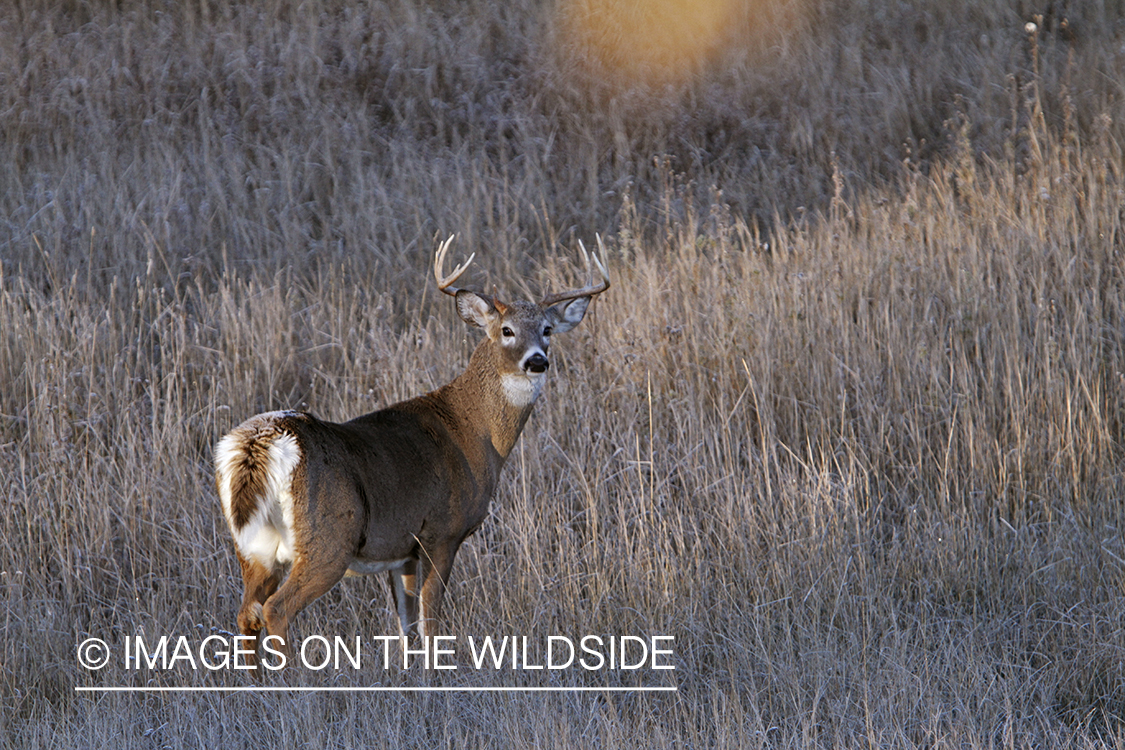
(396, 490)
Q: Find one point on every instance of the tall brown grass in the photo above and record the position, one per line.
(849, 425)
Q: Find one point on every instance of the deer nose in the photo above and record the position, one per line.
(536, 363)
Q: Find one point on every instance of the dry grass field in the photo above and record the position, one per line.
(849, 426)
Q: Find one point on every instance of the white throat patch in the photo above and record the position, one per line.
(522, 390)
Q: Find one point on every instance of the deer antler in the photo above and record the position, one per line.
(591, 288)
(444, 283)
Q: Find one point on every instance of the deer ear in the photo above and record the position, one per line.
(475, 309)
(566, 315)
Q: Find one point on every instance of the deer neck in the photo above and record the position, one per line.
(490, 406)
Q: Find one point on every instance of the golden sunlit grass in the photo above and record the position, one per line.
(646, 43)
(848, 425)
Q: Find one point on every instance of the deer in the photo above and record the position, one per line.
(397, 490)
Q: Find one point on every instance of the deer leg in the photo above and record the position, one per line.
(259, 583)
(406, 597)
(307, 581)
(434, 568)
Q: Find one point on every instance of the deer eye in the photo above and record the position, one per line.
(506, 332)
(547, 331)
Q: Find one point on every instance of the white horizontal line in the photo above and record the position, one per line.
(373, 689)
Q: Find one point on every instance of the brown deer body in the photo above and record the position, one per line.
(397, 490)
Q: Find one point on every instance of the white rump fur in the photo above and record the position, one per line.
(268, 536)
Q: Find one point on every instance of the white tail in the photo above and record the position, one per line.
(396, 490)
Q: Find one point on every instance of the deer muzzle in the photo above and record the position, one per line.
(536, 363)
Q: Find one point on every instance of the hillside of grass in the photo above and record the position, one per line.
(849, 425)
